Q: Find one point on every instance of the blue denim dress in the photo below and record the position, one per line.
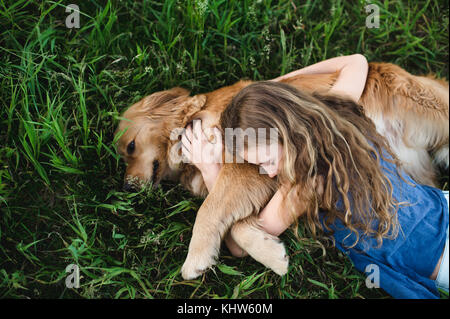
(404, 264)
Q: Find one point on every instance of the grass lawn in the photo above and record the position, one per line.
(63, 90)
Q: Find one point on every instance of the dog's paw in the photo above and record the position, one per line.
(189, 272)
(194, 267)
(275, 257)
(263, 247)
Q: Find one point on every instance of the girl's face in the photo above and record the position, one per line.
(267, 157)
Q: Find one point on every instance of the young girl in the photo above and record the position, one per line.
(338, 174)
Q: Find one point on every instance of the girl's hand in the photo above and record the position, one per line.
(205, 155)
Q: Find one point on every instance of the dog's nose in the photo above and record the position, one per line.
(127, 187)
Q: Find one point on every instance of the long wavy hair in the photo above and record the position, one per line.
(326, 140)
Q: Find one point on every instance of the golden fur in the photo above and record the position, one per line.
(410, 111)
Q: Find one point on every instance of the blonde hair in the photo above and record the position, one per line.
(326, 140)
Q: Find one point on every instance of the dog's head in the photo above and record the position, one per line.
(144, 134)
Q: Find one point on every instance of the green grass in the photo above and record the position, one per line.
(62, 91)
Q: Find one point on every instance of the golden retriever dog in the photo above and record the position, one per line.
(412, 112)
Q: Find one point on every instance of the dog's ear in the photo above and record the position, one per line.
(161, 98)
(156, 103)
(191, 106)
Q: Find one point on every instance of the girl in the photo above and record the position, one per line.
(338, 174)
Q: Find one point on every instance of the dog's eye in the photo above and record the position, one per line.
(130, 147)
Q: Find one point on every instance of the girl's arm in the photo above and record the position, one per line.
(352, 77)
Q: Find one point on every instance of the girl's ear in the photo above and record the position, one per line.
(191, 106)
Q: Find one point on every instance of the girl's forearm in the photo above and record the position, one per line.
(352, 77)
(328, 66)
(274, 218)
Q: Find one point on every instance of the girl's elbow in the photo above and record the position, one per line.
(360, 60)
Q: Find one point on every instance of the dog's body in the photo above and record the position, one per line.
(410, 111)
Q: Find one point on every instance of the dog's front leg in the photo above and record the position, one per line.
(260, 245)
(238, 192)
